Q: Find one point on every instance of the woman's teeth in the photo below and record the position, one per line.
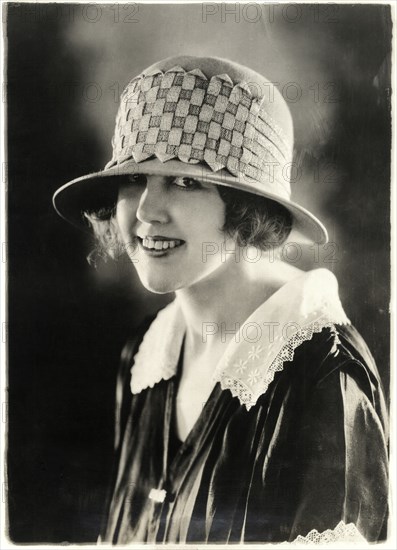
(159, 244)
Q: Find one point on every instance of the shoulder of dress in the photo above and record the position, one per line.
(123, 394)
(336, 341)
(337, 348)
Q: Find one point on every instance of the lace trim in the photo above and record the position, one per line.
(342, 533)
(240, 390)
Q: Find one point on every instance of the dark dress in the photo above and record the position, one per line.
(310, 456)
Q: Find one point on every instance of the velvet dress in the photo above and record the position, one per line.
(291, 445)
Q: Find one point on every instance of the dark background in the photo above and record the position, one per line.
(66, 65)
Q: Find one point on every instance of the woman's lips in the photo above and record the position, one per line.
(159, 246)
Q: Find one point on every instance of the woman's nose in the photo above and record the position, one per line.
(152, 206)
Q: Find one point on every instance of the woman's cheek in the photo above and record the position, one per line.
(125, 218)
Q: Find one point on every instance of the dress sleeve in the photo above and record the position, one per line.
(342, 461)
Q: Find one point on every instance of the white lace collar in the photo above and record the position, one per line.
(264, 342)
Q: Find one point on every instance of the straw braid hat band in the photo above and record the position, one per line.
(184, 115)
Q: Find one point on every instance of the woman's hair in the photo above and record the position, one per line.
(252, 220)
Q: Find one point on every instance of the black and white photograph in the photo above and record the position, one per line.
(198, 274)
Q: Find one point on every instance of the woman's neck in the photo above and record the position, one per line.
(215, 308)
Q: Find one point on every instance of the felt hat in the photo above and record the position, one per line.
(201, 117)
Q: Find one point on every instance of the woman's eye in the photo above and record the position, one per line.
(137, 179)
(186, 183)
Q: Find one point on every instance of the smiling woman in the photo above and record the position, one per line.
(170, 208)
(252, 385)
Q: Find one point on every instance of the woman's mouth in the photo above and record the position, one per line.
(159, 246)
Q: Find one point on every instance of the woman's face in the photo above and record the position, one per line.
(171, 228)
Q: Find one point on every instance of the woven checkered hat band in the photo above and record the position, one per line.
(186, 116)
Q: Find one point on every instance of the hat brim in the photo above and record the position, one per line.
(78, 195)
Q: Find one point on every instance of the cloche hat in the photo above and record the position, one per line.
(201, 117)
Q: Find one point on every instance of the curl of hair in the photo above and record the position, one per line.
(252, 220)
(106, 234)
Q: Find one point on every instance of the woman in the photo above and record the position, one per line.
(253, 411)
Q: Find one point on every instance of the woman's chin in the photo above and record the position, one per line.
(159, 285)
